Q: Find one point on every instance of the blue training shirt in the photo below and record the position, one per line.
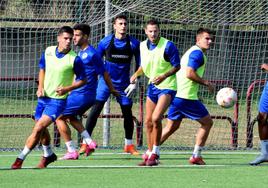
(171, 53)
(195, 59)
(93, 66)
(78, 64)
(119, 73)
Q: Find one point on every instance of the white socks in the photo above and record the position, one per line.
(128, 142)
(70, 146)
(84, 142)
(197, 151)
(47, 150)
(86, 138)
(156, 150)
(24, 153)
(264, 147)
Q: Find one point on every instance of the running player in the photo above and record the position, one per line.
(186, 103)
(159, 62)
(58, 65)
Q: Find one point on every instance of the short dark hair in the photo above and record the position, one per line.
(66, 29)
(152, 22)
(120, 16)
(85, 28)
(204, 30)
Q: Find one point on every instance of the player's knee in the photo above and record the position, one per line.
(206, 122)
(58, 122)
(62, 118)
(210, 123)
(96, 109)
(148, 123)
(156, 120)
(126, 111)
(37, 130)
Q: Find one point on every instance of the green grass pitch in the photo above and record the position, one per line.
(111, 168)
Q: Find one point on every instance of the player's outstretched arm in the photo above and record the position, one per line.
(138, 73)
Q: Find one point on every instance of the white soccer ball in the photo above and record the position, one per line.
(226, 97)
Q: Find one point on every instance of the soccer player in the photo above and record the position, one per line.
(81, 99)
(186, 103)
(263, 124)
(58, 65)
(159, 62)
(118, 50)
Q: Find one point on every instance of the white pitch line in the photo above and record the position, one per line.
(122, 166)
(162, 153)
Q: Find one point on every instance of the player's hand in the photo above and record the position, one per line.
(130, 89)
(133, 79)
(115, 92)
(61, 91)
(157, 80)
(210, 86)
(40, 92)
(264, 67)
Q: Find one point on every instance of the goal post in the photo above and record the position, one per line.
(239, 48)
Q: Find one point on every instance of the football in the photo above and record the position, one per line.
(226, 97)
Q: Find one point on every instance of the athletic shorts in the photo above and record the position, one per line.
(154, 93)
(184, 108)
(50, 107)
(263, 104)
(78, 103)
(103, 93)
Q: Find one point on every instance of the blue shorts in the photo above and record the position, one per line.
(78, 103)
(263, 104)
(184, 108)
(103, 93)
(50, 107)
(154, 93)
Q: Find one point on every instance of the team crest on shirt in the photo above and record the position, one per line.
(84, 56)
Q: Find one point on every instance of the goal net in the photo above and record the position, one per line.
(239, 48)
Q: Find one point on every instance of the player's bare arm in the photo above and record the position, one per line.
(109, 83)
(157, 80)
(134, 77)
(63, 90)
(191, 74)
(41, 77)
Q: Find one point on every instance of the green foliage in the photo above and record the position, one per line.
(17, 8)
